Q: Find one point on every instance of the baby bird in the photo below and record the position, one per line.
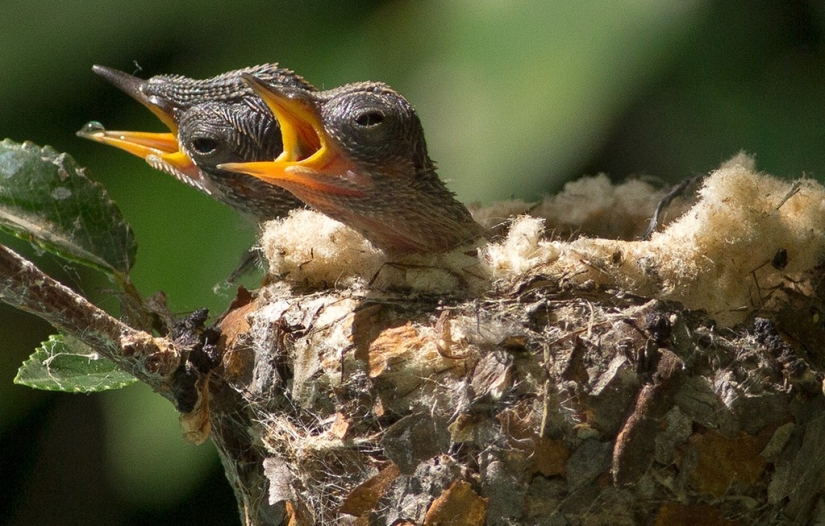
(212, 121)
(357, 153)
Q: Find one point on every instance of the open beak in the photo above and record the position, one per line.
(309, 159)
(161, 150)
(133, 86)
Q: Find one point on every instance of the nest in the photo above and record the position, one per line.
(543, 377)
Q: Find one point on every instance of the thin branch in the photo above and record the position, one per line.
(26, 287)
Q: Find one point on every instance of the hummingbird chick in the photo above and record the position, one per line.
(211, 121)
(357, 154)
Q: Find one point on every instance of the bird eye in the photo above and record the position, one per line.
(369, 119)
(204, 145)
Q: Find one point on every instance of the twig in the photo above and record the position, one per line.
(26, 287)
(792, 192)
(676, 191)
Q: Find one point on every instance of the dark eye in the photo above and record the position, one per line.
(369, 119)
(204, 145)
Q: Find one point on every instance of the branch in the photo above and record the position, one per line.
(26, 287)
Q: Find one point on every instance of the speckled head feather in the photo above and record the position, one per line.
(177, 92)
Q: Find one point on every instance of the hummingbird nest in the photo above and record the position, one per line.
(546, 376)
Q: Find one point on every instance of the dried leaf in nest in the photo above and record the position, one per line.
(366, 495)
(722, 461)
(677, 514)
(459, 505)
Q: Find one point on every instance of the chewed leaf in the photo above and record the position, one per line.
(47, 198)
(63, 363)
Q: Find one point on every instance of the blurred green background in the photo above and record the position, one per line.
(516, 97)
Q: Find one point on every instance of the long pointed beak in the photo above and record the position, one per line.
(141, 144)
(308, 155)
(160, 150)
(132, 86)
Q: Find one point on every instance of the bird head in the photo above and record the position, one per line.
(211, 121)
(357, 153)
(340, 141)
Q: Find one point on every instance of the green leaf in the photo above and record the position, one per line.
(63, 363)
(45, 197)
